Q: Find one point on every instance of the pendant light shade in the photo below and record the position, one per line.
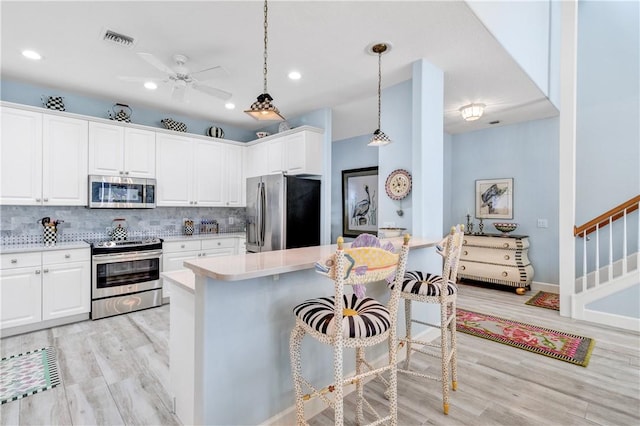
(379, 138)
(263, 108)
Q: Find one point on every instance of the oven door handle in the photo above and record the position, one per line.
(108, 258)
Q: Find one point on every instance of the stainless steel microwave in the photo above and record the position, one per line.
(117, 192)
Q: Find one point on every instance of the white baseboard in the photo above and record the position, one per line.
(316, 405)
(549, 288)
(619, 321)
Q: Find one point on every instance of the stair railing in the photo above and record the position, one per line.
(595, 225)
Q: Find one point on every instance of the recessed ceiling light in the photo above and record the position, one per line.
(150, 85)
(295, 75)
(230, 105)
(31, 54)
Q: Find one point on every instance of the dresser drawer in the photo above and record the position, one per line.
(20, 260)
(64, 256)
(507, 243)
(219, 243)
(494, 256)
(178, 246)
(497, 274)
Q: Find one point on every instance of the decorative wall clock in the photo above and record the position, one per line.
(398, 184)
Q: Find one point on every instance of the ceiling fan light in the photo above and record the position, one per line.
(379, 138)
(262, 109)
(472, 112)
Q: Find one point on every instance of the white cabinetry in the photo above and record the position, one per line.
(115, 150)
(294, 153)
(41, 286)
(20, 289)
(175, 253)
(66, 283)
(199, 173)
(43, 159)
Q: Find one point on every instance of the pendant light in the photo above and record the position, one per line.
(379, 138)
(262, 108)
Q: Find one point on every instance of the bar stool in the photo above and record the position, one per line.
(438, 289)
(365, 322)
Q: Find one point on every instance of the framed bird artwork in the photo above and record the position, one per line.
(494, 198)
(360, 201)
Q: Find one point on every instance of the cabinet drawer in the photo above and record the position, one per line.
(178, 246)
(493, 255)
(64, 256)
(20, 260)
(497, 274)
(218, 243)
(496, 242)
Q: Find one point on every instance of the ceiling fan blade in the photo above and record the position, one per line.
(212, 91)
(211, 73)
(152, 60)
(139, 79)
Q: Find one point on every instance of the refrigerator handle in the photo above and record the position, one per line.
(263, 207)
(258, 215)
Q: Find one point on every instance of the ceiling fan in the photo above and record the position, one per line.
(182, 79)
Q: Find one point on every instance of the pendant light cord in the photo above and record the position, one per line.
(379, 80)
(264, 69)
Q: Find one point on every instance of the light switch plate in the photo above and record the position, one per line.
(543, 223)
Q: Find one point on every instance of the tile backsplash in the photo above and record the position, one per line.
(21, 224)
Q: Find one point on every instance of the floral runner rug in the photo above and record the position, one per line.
(555, 344)
(545, 300)
(28, 373)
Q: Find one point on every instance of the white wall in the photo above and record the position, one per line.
(523, 28)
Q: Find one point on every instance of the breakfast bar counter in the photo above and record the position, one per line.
(230, 331)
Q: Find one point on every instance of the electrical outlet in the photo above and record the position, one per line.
(230, 221)
(543, 223)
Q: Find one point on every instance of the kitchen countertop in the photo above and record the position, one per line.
(255, 265)
(27, 248)
(183, 278)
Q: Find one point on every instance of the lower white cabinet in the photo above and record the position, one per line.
(41, 286)
(175, 253)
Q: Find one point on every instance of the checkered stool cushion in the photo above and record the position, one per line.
(417, 282)
(361, 317)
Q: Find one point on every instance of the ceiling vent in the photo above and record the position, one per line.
(117, 38)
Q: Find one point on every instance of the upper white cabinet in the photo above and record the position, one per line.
(115, 150)
(44, 159)
(198, 173)
(294, 154)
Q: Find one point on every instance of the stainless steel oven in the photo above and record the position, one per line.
(125, 276)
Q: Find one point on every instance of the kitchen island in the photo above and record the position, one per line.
(230, 331)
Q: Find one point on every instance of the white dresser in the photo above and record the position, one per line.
(497, 259)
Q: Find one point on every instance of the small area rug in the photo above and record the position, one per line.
(545, 300)
(28, 373)
(544, 341)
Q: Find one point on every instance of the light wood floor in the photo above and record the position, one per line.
(116, 371)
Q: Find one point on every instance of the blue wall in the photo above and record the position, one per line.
(528, 153)
(29, 94)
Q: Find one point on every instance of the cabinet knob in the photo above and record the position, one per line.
(182, 246)
(219, 243)
(14, 260)
(126, 173)
(46, 200)
(46, 271)
(38, 200)
(195, 202)
(67, 256)
(507, 257)
(121, 172)
(505, 245)
(465, 252)
(462, 267)
(505, 273)
(464, 242)
(37, 271)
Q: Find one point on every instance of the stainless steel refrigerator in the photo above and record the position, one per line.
(282, 212)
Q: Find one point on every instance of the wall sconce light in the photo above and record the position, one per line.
(472, 112)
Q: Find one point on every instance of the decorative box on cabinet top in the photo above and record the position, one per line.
(497, 259)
